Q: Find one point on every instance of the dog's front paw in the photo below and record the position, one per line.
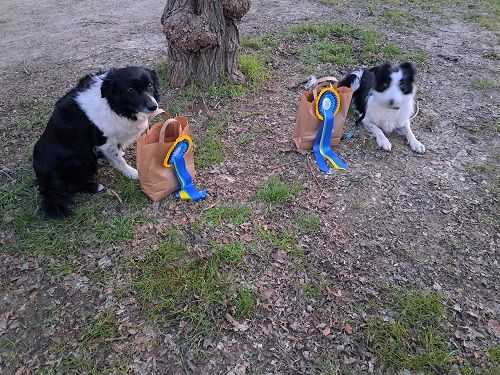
(417, 147)
(384, 143)
(131, 173)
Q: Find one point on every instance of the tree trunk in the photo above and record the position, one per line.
(203, 39)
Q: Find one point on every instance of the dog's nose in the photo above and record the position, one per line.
(152, 108)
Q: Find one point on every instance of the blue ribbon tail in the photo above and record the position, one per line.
(326, 151)
(187, 189)
(320, 162)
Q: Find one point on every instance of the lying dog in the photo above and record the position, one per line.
(101, 116)
(384, 96)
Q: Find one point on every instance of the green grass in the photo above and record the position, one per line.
(324, 51)
(175, 285)
(244, 301)
(235, 214)
(261, 43)
(57, 237)
(231, 253)
(212, 150)
(416, 340)
(245, 139)
(72, 363)
(494, 354)
(103, 327)
(311, 291)
(308, 222)
(484, 83)
(37, 235)
(254, 68)
(397, 17)
(392, 51)
(61, 268)
(340, 44)
(129, 192)
(489, 21)
(218, 91)
(38, 113)
(162, 71)
(275, 192)
(281, 239)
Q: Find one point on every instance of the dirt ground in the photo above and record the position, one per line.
(395, 220)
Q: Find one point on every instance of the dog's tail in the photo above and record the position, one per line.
(352, 80)
(55, 199)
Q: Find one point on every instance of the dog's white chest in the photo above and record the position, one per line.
(388, 119)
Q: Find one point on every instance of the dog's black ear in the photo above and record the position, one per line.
(154, 78)
(108, 87)
(408, 71)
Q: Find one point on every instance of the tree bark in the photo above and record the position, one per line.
(203, 39)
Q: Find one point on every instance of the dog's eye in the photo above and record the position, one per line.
(150, 86)
(384, 85)
(130, 89)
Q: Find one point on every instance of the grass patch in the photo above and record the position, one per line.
(397, 17)
(35, 234)
(72, 363)
(483, 83)
(275, 192)
(494, 354)
(218, 91)
(245, 139)
(176, 286)
(226, 213)
(392, 51)
(308, 222)
(254, 69)
(162, 71)
(104, 327)
(281, 240)
(61, 268)
(244, 301)
(212, 150)
(38, 113)
(261, 43)
(231, 253)
(38, 235)
(327, 52)
(416, 339)
(129, 191)
(340, 44)
(311, 291)
(485, 21)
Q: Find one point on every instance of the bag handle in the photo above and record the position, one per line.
(158, 111)
(169, 121)
(330, 79)
(324, 82)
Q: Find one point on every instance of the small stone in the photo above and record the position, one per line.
(104, 262)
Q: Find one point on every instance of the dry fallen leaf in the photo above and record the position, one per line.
(494, 327)
(348, 328)
(237, 326)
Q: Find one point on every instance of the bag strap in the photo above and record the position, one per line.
(169, 121)
(156, 113)
(330, 79)
(322, 83)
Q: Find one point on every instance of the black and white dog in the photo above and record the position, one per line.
(384, 96)
(101, 116)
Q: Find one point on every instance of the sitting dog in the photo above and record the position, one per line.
(101, 116)
(384, 96)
